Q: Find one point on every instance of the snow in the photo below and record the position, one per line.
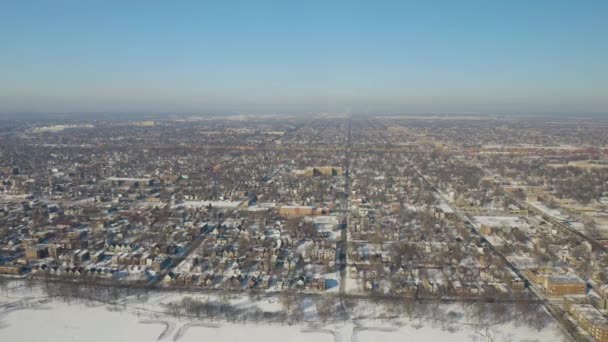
(59, 321)
(215, 204)
(78, 322)
(27, 315)
(455, 333)
(577, 226)
(233, 333)
(128, 179)
(499, 221)
(496, 240)
(445, 208)
(555, 213)
(522, 262)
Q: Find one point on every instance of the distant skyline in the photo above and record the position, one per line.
(203, 57)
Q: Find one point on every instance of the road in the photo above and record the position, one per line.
(469, 224)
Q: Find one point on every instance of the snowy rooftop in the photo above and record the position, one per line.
(216, 204)
(499, 221)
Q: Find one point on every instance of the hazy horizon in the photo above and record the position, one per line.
(475, 57)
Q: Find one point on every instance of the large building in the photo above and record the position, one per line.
(323, 171)
(564, 284)
(301, 210)
(12, 269)
(35, 252)
(120, 181)
(591, 320)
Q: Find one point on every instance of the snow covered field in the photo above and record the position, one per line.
(59, 321)
(27, 315)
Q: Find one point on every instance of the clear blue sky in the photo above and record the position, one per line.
(255, 56)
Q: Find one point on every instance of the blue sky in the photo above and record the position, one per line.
(488, 56)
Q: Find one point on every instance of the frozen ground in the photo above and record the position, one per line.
(499, 221)
(27, 315)
(551, 212)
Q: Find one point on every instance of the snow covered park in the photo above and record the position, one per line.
(28, 314)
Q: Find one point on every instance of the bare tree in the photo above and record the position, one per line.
(325, 308)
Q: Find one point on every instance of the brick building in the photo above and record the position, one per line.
(564, 284)
(591, 320)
